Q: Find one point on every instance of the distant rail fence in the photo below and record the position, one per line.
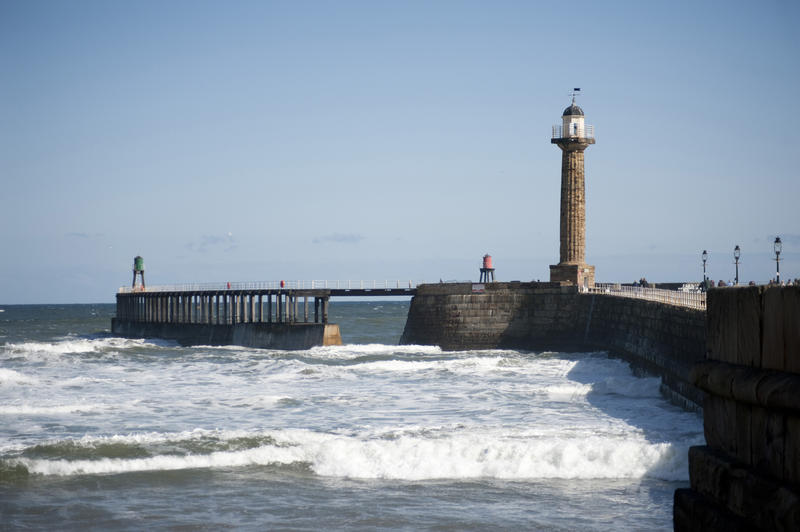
(689, 299)
(276, 285)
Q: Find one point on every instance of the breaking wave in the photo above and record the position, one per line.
(72, 345)
(418, 454)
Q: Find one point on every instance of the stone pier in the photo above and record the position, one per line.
(747, 476)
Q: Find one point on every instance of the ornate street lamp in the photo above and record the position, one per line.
(777, 246)
(736, 254)
(705, 258)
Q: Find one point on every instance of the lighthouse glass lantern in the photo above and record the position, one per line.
(572, 125)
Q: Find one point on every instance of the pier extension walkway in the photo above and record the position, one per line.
(249, 302)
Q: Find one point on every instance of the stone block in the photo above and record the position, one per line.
(718, 312)
(714, 377)
(772, 341)
(729, 316)
(705, 474)
(719, 424)
(745, 384)
(791, 328)
(694, 513)
(792, 450)
(748, 325)
(767, 431)
(780, 391)
(743, 432)
(754, 499)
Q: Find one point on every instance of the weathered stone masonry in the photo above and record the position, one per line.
(573, 205)
(747, 476)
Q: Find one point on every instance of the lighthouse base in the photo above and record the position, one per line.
(578, 274)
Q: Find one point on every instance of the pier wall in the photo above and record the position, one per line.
(262, 335)
(500, 315)
(747, 476)
(662, 339)
(666, 340)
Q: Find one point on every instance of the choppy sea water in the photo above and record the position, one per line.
(108, 433)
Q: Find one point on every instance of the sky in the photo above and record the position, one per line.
(298, 140)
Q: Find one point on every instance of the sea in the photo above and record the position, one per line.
(99, 432)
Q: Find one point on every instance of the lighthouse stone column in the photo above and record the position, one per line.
(573, 137)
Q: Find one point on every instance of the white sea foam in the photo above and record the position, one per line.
(486, 456)
(423, 455)
(49, 410)
(9, 376)
(76, 345)
(629, 386)
(350, 351)
(570, 390)
(262, 401)
(257, 456)
(149, 438)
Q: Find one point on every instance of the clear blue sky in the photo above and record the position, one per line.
(249, 141)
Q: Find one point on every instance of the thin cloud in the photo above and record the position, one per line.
(85, 236)
(339, 238)
(208, 243)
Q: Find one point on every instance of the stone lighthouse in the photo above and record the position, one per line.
(573, 136)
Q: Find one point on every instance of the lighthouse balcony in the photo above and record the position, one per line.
(576, 131)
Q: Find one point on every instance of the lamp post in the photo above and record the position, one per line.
(705, 258)
(736, 254)
(777, 246)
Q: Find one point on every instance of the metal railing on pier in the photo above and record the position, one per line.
(695, 300)
(277, 285)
